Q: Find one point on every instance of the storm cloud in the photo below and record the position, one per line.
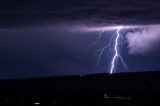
(48, 12)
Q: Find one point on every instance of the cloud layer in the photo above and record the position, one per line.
(48, 12)
(145, 41)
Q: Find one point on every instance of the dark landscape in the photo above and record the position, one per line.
(127, 89)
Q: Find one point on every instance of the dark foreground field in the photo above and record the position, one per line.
(127, 89)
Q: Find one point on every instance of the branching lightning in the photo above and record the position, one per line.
(115, 39)
(117, 54)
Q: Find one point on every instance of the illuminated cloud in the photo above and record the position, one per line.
(144, 42)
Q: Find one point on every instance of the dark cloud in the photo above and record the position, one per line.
(42, 12)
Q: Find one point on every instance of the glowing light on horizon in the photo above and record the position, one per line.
(36, 103)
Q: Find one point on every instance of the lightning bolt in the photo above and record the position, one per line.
(117, 54)
(115, 39)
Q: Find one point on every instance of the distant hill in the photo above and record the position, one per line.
(129, 81)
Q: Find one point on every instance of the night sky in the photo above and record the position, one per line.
(40, 38)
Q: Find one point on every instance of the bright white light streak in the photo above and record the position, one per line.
(99, 37)
(116, 50)
(103, 49)
(115, 39)
(107, 28)
(84, 28)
